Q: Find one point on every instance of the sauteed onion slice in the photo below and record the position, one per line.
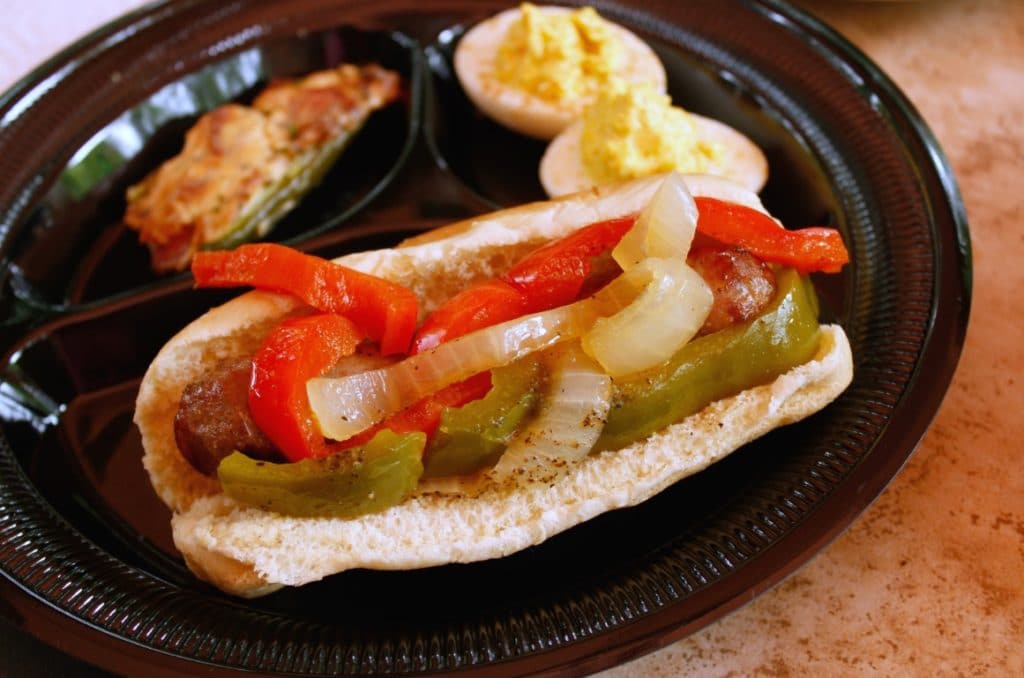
(570, 420)
(671, 302)
(664, 228)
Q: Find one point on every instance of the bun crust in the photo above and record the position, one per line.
(249, 552)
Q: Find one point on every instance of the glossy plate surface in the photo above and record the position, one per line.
(85, 544)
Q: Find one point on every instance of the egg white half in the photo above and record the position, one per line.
(519, 110)
(741, 161)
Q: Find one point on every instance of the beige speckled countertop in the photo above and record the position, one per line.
(930, 580)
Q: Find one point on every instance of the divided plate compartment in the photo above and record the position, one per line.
(83, 536)
(73, 247)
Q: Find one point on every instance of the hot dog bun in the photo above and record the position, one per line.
(250, 552)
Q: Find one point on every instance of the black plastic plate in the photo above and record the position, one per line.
(84, 543)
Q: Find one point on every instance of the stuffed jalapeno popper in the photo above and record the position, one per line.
(242, 168)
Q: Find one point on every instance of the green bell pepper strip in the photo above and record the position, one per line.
(346, 485)
(716, 366)
(474, 436)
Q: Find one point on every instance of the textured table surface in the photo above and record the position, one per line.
(931, 578)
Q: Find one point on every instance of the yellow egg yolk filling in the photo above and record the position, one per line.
(559, 57)
(630, 132)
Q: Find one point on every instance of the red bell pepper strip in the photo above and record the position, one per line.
(807, 250)
(482, 305)
(293, 352)
(550, 276)
(553, 274)
(384, 310)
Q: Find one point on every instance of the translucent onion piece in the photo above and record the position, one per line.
(347, 405)
(670, 309)
(664, 228)
(572, 414)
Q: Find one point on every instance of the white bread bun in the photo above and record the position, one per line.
(520, 110)
(248, 552)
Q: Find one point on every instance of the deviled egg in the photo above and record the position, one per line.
(634, 131)
(534, 69)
